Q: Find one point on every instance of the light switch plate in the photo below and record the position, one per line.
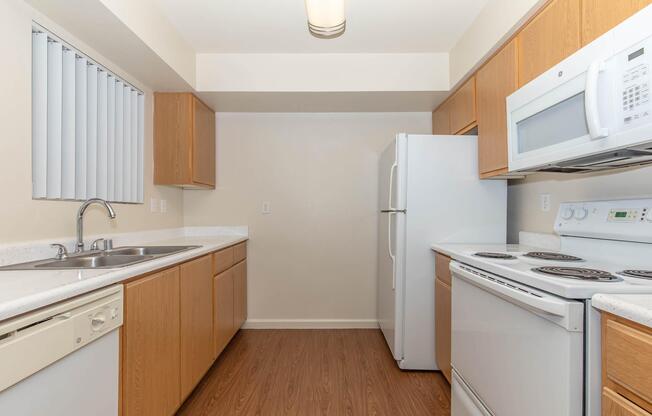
(545, 202)
(153, 205)
(267, 207)
(164, 206)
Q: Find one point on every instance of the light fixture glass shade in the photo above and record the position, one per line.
(326, 18)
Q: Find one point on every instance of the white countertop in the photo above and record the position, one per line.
(637, 308)
(27, 290)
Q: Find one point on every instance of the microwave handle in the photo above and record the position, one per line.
(596, 131)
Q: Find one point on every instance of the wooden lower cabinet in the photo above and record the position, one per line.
(626, 367)
(443, 328)
(196, 308)
(239, 294)
(613, 404)
(176, 322)
(150, 346)
(223, 307)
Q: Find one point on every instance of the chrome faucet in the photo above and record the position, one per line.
(79, 247)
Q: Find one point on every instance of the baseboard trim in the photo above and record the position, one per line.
(310, 324)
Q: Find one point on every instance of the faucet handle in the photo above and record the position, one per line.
(95, 245)
(62, 251)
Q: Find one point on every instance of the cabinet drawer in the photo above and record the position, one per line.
(613, 404)
(239, 252)
(442, 271)
(627, 349)
(222, 260)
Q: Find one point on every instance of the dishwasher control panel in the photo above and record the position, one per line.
(97, 319)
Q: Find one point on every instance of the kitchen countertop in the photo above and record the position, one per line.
(27, 290)
(637, 308)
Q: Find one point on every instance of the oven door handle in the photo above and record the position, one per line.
(512, 293)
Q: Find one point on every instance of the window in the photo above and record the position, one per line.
(87, 127)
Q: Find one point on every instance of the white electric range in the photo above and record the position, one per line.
(525, 338)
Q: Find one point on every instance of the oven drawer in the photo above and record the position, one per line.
(530, 341)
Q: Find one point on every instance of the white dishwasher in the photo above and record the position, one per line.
(63, 359)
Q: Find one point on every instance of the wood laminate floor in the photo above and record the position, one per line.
(315, 372)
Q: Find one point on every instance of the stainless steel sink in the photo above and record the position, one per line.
(115, 258)
(148, 250)
(93, 262)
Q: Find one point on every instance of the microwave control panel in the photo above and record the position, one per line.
(636, 102)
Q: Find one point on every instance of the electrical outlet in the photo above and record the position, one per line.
(267, 207)
(545, 202)
(164, 206)
(153, 205)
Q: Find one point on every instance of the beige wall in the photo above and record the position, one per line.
(314, 256)
(496, 22)
(524, 212)
(22, 218)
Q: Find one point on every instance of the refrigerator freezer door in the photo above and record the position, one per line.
(391, 226)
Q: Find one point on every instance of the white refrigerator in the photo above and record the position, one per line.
(429, 192)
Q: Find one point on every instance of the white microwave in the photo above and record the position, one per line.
(592, 111)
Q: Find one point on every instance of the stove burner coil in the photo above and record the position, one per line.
(542, 255)
(578, 273)
(641, 274)
(498, 256)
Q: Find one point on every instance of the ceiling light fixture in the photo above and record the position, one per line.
(326, 18)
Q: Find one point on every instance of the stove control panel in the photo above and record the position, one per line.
(626, 220)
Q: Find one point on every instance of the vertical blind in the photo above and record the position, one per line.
(87, 127)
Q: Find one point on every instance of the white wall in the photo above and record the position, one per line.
(24, 219)
(524, 212)
(314, 256)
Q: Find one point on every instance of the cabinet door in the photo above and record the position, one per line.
(239, 294)
(494, 82)
(172, 138)
(462, 107)
(550, 37)
(196, 321)
(150, 345)
(223, 292)
(598, 16)
(443, 328)
(203, 145)
(441, 123)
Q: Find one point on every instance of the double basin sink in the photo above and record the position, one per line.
(115, 258)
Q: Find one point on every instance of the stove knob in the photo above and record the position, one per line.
(581, 213)
(567, 213)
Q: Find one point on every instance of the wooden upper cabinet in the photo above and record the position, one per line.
(441, 123)
(196, 300)
(150, 345)
(462, 107)
(550, 37)
(184, 141)
(598, 16)
(496, 80)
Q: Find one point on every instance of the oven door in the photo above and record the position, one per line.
(519, 350)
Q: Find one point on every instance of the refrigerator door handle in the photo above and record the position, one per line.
(391, 185)
(393, 211)
(389, 248)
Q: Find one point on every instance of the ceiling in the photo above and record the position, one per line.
(279, 26)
